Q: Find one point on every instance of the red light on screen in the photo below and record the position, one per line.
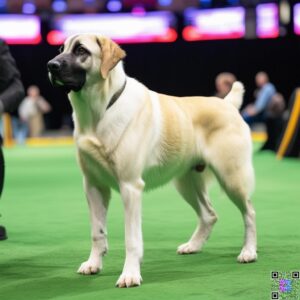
(24, 41)
(55, 37)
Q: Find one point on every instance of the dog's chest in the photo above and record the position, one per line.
(97, 174)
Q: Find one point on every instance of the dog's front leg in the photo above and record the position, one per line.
(132, 197)
(98, 200)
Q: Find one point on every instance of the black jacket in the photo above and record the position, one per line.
(11, 87)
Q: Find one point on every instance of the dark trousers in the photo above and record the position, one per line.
(1, 166)
(274, 130)
(1, 170)
(3, 234)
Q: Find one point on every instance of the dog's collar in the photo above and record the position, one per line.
(116, 95)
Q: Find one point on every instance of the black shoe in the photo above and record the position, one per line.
(3, 235)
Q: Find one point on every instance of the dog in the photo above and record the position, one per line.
(132, 139)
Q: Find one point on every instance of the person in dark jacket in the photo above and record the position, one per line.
(11, 94)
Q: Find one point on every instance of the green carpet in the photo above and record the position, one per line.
(45, 212)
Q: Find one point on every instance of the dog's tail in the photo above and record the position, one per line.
(236, 94)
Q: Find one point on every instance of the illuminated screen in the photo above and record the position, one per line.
(267, 20)
(214, 24)
(297, 19)
(20, 29)
(122, 27)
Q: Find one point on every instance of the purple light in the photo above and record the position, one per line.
(59, 6)
(138, 10)
(297, 18)
(217, 23)
(114, 5)
(29, 8)
(267, 20)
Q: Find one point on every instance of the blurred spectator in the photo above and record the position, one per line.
(32, 109)
(224, 83)
(20, 128)
(11, 94)
(274, 121)
(256, 112)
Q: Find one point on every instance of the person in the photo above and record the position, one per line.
(274, 121)
(223, 83)
(256, 112)
(32, 109)
(11, 94)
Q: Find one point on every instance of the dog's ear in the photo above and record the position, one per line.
(111, 54)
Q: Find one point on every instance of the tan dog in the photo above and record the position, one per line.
(132, 139)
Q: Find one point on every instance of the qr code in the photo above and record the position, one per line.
(285, 285)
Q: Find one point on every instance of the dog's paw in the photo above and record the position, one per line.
(129, 280)
(89, 267)
(188, 248)
(247, 256)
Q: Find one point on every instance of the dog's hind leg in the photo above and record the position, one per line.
(98, 200)
(236, 176)
(193, 188)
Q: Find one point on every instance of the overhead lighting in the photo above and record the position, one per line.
(28, 8)
(114, 5)
(59, 6)
(165, 2)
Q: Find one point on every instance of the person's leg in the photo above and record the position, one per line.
(23, 132)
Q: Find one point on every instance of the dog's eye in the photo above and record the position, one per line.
(61, 49)
(80, 51)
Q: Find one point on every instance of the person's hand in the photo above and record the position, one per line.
(250, 110)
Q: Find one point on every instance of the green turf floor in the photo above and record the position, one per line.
(44, 209)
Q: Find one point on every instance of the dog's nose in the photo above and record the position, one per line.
(53, 66)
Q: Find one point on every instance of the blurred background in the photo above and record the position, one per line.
(173, 46)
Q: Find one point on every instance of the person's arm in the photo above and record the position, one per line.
(11, 96)
(11, 87)
(264, 97)
(43, 105)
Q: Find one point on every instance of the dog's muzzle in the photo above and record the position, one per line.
(54, 68)
(66, 74)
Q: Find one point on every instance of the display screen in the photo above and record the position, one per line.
(297, 18)
(213, 24)
(122, 27)
(267, 20)
(20, 29)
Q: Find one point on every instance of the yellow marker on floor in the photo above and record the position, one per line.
(291, 127)
(8, 140)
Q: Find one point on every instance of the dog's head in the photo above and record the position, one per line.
(84, 59)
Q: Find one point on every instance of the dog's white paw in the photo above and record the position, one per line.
(89, 267)
(247, 255)
(188, 248)
(129, 280)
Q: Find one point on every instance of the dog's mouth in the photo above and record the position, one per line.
(67, 87)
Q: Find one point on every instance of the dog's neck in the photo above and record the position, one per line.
(92, 101)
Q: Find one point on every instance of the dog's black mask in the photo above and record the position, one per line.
(66, 73)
